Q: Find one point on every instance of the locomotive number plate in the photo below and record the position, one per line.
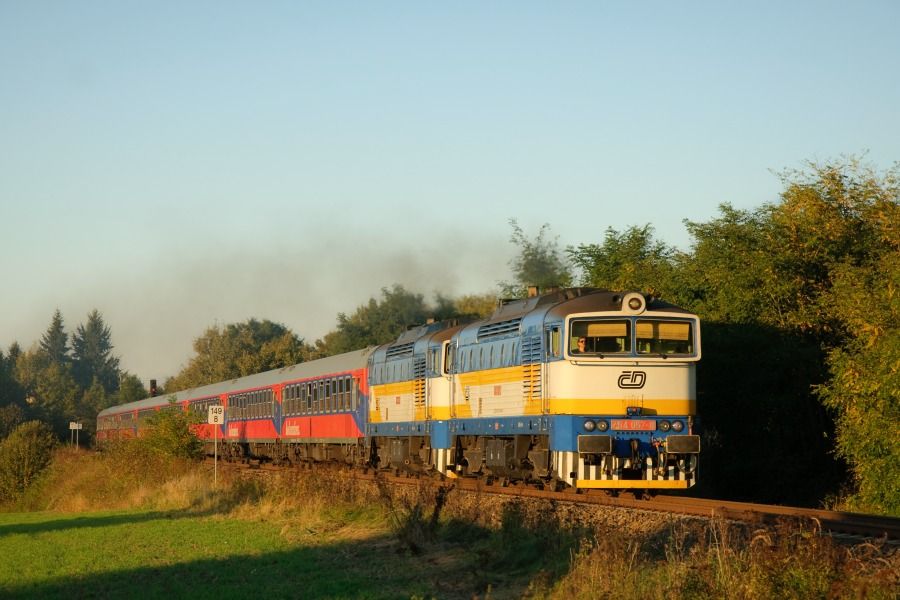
(634, 424)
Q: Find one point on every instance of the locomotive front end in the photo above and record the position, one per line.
(621, 386)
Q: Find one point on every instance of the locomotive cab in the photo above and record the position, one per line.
(627, 380)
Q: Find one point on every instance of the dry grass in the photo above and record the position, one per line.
(722, 560)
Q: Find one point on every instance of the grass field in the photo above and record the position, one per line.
(184, 554)
(163, 532)
(170, 554)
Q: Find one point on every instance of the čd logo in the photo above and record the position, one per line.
(632, 380)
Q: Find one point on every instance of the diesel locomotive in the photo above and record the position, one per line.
(577, 387)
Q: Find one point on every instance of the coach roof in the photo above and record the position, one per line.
(315, 368)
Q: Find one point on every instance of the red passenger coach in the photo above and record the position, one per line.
(309, 411)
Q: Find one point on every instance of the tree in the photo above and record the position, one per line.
(55, 342)
(539, 263)
(810, 280)
(169, 433)
(92, 354)
(50, 390)
(853, 215)
(381, 322)
(130, 390)
(476, 305)
(631, 260)
(11, 394)
(10, 417)
(23, 457)
(240, 349)
(729, 276)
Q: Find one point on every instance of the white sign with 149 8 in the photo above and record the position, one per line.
(216, 415)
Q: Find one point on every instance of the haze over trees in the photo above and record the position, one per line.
(798, 387)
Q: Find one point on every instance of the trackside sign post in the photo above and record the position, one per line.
(74, 428)
(216, 417)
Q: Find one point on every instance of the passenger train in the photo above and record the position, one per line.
(577, 387)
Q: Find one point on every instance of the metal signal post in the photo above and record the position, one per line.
(216, 417)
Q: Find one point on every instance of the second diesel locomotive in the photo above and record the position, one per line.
(578, 387)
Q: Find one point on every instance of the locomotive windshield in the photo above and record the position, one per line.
(601, 337)
(664, 337)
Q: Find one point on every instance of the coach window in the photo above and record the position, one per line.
(354, 390)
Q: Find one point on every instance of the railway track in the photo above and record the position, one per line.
(855, 525)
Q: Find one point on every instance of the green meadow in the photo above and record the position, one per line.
(154, 554)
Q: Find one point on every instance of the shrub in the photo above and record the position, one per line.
(23, 457)
(169, 434)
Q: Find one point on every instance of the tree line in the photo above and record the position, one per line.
(798, 388)
(64, 378)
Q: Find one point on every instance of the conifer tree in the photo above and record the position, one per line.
(92, 354)
(55, 342)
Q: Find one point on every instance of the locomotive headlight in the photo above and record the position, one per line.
(602, 425)
(664, 425)
(634, 303)
(677, 426)
(589, 425)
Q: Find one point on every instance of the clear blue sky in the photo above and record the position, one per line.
(176, 164)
